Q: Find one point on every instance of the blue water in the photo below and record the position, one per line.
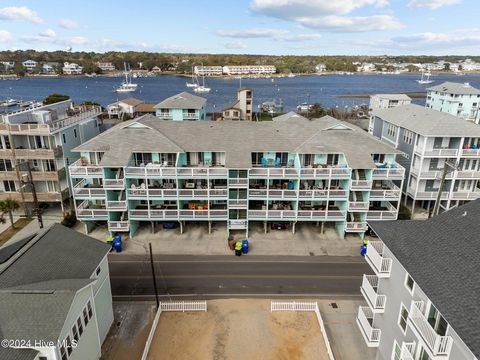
(292, 91)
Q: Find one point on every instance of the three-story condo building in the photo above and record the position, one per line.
(461, 100)
(43, 137)
(290, 170)
(428, 140)
(422, 301)
(183, 106)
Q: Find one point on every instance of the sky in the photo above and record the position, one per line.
(272, 27)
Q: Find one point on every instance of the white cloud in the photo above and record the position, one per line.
(78, 40)
(327, 15)
(436, 39)
(275, 34)
(69, 24)
(49, 33)
(20, 13)
(234, 45)
(5, 36)
(432, 4)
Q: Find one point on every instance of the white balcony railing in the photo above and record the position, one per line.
(334, 215)
(382, 215)
(151, 171)
(385, 194)
(237, 203)
(441, 152)
(237, 224)
(361, 185)
(396, 172)
(466, 195)
(76, 169)
(356, 226)
(187, 214)
(364, 321)
(114, 184)
(468, 174)
(322, 194)
(273, 172)
(190, 116)
(438, 345)
(332, 172)
(358, 206)
(238, 182)
(408, 351)
(95, 214)
(153, 214)
(118, 226)
(117, 205)
(271, 214)
(80, 191)
(202, 171)
(369, 290)
(470, 152)
(374, 257)
(274, 193)
(431, 195)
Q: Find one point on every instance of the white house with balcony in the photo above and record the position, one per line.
(237, 174)
(461, 100)
(427, 140)
(180, 107)
(422, 300)
(387, 101)
(72, 69)
(29, 65)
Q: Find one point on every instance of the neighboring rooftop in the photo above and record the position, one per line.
(441, 255)
(428, 122)
(184, 100)
(237, 139)
(455, 88)
(145, 108)
(131, 101)
(392, 96)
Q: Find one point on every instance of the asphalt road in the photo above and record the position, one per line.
(208, 277)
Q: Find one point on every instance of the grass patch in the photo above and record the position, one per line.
(8, 233)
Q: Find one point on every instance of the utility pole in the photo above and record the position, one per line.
(153, 275)
(447, 167)
(29, 180)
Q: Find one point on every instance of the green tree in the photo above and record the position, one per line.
(54, 98)
(9, 206)
(19, 69)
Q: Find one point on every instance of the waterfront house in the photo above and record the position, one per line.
(240, 174)
(207, 70)
(105, 66)
(387, 101)
(43, 136)
(422, 298)
(55, 297)
(428, 139)
(72, 69)
(29, 65)
(156, 69)
(319, 68)
(8, 65)
(461, 100)
(183, 106)
(249, 69)
(50, 68)
(241, 108)
(123, 109)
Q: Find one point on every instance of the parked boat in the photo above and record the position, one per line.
(9, 102)
(425, 79)
(202, 89)
(304, 107)
(194, 83)
(127, 85)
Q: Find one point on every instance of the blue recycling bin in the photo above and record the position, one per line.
(245, 246)
(117, 244)
(363, 250)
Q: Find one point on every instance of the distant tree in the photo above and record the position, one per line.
(9, 206)
(447, 66)
(54, 98)
(19, 69)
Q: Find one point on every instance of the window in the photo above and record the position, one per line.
(332, 159)
(75, 332)
(97, 271)
(9, 186)
(6, 165)
(69, 345)
(408, 137)
(63, 353)
(402, 321)
(80, 325)
(409, 283)
(391, 130)
(397, 351)
(90, 312)
(424, 355)
(85, 317)
(64, 139)
(75, 133)
(49, 165)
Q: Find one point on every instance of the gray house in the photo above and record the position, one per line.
(55, 296)
(422, 302)
(428, 139)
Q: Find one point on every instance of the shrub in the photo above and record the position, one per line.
(69, 220)
(54, 98)
(404, 213)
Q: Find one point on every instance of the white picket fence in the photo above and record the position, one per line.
(171, 306)
(184, 306)
(305, 306)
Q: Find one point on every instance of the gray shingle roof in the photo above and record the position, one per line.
(428, 122)
(393, 96)
(442, 256)
(237, 139)
(17, 354)
(455, 88)
(184, 100)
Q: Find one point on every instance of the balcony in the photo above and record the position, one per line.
(120, 205)
(211, 214)
(190, 116)
(466, 195)
(470, 152)
(139, 193)
(407, 351)
(114, 184)
(428, 195)
(237, 203)
(146, 214)
(364, 322)
(361, 185)
(25, 129)
(468, 174)
(332, 172)
(395, 172)
(80, 116)
(388, 212)
(272, 193)
(273, 172)
(369, 290)
(202, 172)
(238, 182)
(356, 226)
(358, 206)
(85, 213)
(39, 153)
(437, 344)
(393, 193)
(374, 257)
(165, 115)
(441, 152)
(237, 224)
(319, 215)
(83, 191)
(36, 175)
(432, 174)
(118, 226)
(77, 169)
(154, 171)
(322, 194)
(271, 214)
(41, 196)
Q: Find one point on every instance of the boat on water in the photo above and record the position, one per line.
(126, 85)
(304, 107)
(425, 79)
(9, 103)
(202, 89)
(194, 83)
(271, 107)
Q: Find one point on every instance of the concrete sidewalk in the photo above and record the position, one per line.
(307, 241)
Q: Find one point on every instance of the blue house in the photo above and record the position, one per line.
(183, 106)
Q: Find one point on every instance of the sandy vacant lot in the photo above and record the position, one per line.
(238, 329)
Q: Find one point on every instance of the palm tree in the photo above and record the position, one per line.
(9, 206)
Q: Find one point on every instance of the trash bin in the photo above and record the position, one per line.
(363, 250)
(117, 245)
(238, 252)
(245, 246)
(238, 248)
